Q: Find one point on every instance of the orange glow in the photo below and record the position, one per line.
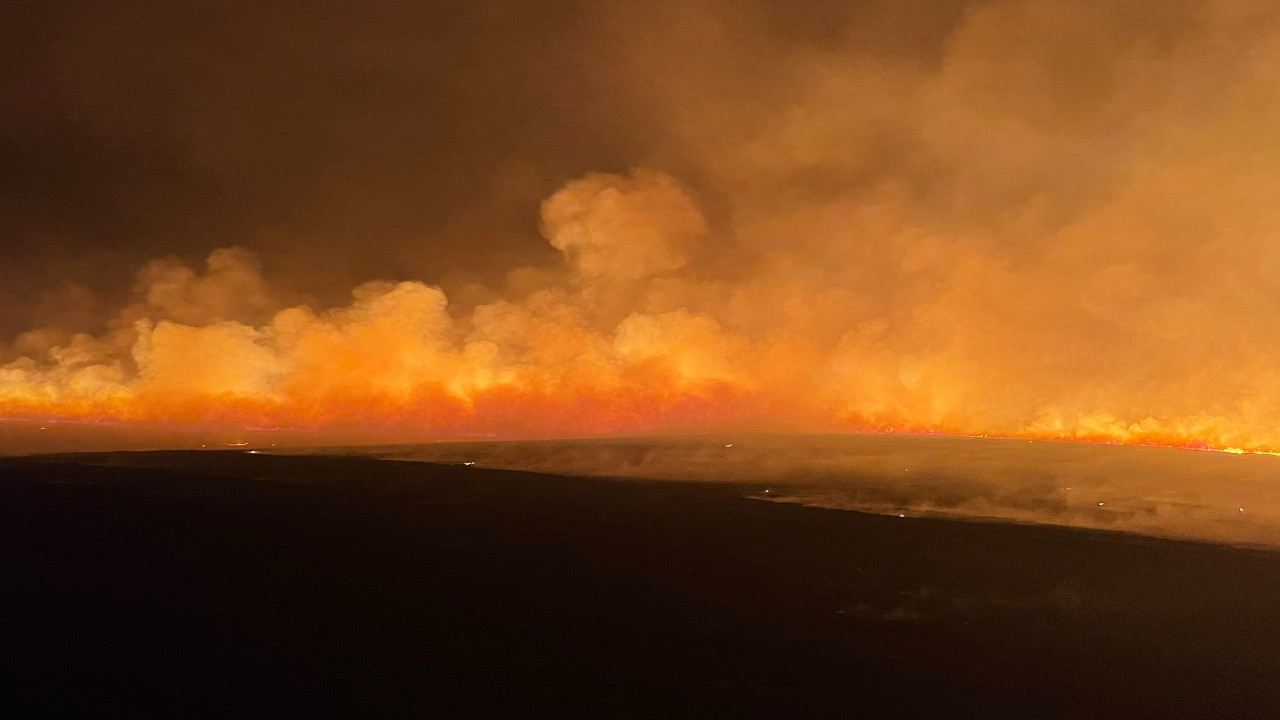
(626, 339)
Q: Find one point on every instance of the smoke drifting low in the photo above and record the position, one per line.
(1037, 219)
(1163, 492)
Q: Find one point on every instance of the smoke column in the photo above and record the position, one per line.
(1039, 219)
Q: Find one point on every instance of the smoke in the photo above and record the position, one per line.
(615, 229)
(1163, 492)
(1022, 218)
(549, 362)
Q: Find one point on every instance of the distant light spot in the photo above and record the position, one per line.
(469, 464)
(1241, 509)
(901, 515)
(729, 445)
(1101, 504)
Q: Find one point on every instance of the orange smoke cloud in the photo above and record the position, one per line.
(397, 357)
(1063, 226)
(557, 361)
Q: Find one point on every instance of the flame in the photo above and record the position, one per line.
(565, 360)
(1057, 223)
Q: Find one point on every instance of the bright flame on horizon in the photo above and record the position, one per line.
(570, 359)
(1062, 227)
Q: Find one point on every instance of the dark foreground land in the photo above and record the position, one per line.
(235, 585)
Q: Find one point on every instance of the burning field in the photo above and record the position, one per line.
(605, 359)
(1032, 220)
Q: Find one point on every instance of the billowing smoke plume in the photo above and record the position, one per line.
(556, 360)
(1053, 219)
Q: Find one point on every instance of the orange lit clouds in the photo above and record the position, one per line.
(1064, 225)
